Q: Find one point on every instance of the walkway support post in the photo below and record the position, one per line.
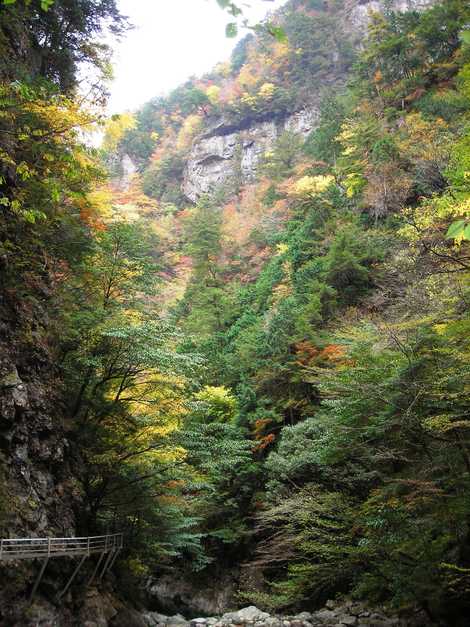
(96, 569)
(113, 560)
(105, 567)
(38, 579)
(69, 582)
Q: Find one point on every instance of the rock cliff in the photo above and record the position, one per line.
(228, 154)
(225, 153)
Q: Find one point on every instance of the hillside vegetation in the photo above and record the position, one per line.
(327, 439)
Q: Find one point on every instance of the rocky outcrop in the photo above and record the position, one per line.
(226, 155)
(335, 613)
(206, 596)
(356, 14)
(128, 170)
(38, 490)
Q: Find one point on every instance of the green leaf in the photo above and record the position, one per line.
(465, 36)
(45, 4)
(231, 30)
(9, 1)
(466, 232)
(455, 229)
(223, 4)
(277, 32)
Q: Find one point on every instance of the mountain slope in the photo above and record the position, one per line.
(327, 301)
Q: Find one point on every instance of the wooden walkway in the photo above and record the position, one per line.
(107, 547)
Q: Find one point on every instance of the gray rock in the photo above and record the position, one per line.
(11, 379)
(348, 620)
(246, 615)
(177, 619)
(128, 618)
(326, 616)
(303, 616)
(225, 153)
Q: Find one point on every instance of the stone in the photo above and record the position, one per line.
(98, 608)
(11, 379)
(330, 604)
(376, 616)
(303, 616)
(198, 621)
(348, 620)
(128, 618)
(246, 615)
(177, 619)
(326, 616)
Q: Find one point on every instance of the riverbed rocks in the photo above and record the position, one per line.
(345, 614)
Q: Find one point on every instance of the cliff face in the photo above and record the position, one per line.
(38, 492)
(34, 447)
(229, 154)
(224, 154)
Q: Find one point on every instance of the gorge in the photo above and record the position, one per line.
(237, 332)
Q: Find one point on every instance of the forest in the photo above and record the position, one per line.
(271, 381)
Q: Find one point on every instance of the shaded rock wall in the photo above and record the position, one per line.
(38, 492)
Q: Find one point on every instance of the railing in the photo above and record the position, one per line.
(45, 548)
(30, 548)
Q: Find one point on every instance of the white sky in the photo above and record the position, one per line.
(172, 40)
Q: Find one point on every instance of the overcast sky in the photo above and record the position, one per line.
(172, 40)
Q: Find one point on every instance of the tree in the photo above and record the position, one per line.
(59, 36)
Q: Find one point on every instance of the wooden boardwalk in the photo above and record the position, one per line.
(107, 547)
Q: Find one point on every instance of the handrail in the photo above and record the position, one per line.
(31, 548)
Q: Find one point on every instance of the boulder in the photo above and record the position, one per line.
(177, 619)
(128, 618)
(246, 615)
(327, 617)
(303, 616)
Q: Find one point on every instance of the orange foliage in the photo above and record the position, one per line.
(308, 354)
(333, 352)
(260, 425)
(264, 442)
